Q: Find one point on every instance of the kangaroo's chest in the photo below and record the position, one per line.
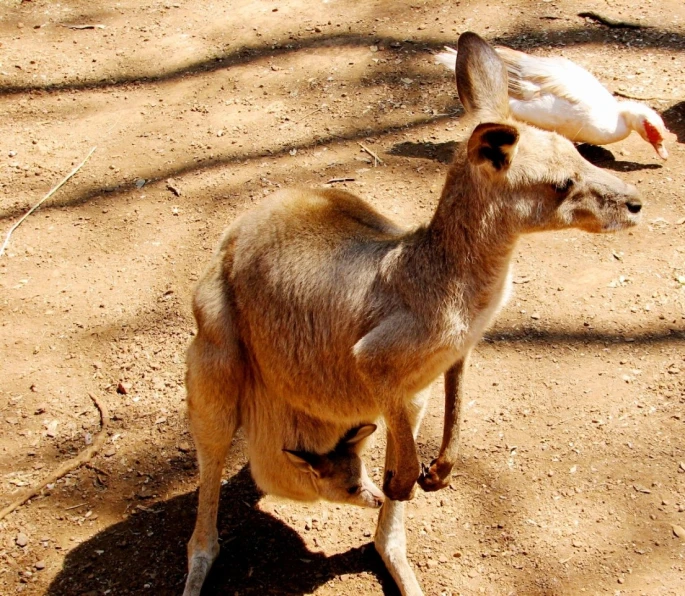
(474, 329)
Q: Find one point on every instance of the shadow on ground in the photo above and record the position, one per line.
(442, 152)
(146, 553)
(604, 158)
(674, 117)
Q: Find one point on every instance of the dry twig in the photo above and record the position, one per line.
(68, 466)
(377, 159)
(334, 180)
(45, 198)
(643, 97)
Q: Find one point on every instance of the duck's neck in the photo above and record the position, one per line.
(632, 115)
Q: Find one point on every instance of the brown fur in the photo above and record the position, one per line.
(317, 305)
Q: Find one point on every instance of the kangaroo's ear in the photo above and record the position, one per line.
(482, 80)
(359, 433)
(305, 461)
(493, 145)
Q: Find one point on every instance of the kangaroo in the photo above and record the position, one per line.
(316, 300)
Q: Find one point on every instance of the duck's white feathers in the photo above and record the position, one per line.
(559, 95)
(532, 76)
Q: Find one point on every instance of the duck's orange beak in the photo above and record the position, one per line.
(661, 150)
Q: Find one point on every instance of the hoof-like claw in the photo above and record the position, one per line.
(435, 477)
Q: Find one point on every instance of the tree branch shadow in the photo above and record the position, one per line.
(440, 152)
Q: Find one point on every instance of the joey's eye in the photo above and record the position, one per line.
(563, 187)
(353, 490)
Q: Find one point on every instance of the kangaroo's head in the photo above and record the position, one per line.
(340, 475)
(536, 176)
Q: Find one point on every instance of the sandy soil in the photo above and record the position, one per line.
(572, 477)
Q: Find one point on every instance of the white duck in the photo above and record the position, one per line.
(556, 94)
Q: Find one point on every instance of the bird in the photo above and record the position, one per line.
(556, 94)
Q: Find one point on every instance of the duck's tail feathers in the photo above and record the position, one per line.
(448, 58)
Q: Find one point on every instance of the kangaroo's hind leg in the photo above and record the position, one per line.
(213, 383)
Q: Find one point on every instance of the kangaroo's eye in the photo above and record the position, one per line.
(563, 187)
(353, 490)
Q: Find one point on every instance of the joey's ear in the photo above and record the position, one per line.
(493, 146)
(482, 80)
(304, 461)
(359, 433)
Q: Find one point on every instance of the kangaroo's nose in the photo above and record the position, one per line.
(634, 205)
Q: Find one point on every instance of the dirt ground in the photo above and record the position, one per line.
(572, 477)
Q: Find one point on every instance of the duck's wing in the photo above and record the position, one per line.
(533, 76)
(448, 58)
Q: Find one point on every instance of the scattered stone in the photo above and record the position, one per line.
(40, 565)
(21, 539)
(173, 187)
(52, 429)
(681, 466)
(678, 531)
(123, 388)
(140, 183)
(110, 451)
(184, 447)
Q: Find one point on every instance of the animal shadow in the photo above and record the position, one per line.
(146, 553)
(604, 158)
(674, 118)
(442, 152)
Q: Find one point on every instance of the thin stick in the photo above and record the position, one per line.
(39, 203)
(82, 458)
(371, 153)
(642, 97)
(308, 114)
(75, 506)
(334, 180)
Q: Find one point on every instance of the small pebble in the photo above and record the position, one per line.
(39, 565)
(678, 531)
(21, 539)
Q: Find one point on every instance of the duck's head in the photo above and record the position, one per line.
(648, 125)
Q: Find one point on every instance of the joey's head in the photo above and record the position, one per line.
(340, 475)
(535, 178)
(647, 123)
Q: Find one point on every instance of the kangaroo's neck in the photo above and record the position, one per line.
(465, 250)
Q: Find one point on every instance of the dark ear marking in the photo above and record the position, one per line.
(493, 144)
(354, 436)
(305, 460)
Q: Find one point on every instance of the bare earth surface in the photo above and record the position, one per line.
(572, 478)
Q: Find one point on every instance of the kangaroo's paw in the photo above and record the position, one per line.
(436, 476)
